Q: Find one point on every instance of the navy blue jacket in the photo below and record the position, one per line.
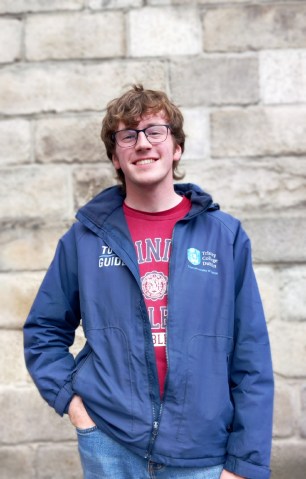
(217, 406)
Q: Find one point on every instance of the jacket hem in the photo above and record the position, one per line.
(246, 469)
(188, 462)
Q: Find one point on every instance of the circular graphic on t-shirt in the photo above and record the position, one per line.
(154, 285)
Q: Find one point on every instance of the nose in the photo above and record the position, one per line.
(142, 142)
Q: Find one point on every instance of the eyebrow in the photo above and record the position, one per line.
(149, 124)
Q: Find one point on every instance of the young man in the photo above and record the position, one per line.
(175, 379)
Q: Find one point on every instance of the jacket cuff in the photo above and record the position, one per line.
(63, 399)
(246, 469)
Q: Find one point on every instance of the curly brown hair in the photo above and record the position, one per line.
(134, 104)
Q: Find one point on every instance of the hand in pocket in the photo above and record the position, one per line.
(78, 415)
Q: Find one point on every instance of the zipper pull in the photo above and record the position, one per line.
(153, 437)
(155, 428)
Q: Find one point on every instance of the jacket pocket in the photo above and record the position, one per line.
(103, 379)
(207, 408)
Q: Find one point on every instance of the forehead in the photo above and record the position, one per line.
(145, 120)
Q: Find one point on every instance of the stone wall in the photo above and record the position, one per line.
(237, 68)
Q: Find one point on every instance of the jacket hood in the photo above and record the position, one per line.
(105, 203)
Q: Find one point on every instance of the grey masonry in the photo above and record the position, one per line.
(237, 70)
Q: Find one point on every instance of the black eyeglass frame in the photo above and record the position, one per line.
(137, 133)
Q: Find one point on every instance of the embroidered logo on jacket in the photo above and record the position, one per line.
(194, 256)
(205, 261)
(108, 258)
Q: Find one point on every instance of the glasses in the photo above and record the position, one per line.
(154, 134)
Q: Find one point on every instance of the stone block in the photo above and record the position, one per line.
(277, 240)
(207, 2)
(196, 127)
(303, 397)
(303, 426)
(89, 181)
(28, 418)
(10, 39)
(282, 75)
(254, 27)
(179, 32)
(72, 86)
(215, 81)
(36, 198)
(285, 410)
(58, 461)
(105, 4)
(75, 35)
(12, 366)
(292, 293)
(268, 286)
(17, 462)
(303, 414)
(67, 140)
(288, 459)
(28, 248)
(79, 342)
(253, 188)
(171, 2)
(288, 343)
(15, 141)
(217, 2)
(17, 293)
(259, 131)
(19, 6)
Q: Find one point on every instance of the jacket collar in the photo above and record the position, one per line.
(102, 206)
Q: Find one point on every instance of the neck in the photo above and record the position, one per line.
(152, 199)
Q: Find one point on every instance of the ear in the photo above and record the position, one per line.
(115, 161)
(177, 153)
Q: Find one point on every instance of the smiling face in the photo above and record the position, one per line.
(145, 165)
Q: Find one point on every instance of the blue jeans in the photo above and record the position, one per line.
(104, 458)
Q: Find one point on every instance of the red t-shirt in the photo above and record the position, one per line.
(152, 235)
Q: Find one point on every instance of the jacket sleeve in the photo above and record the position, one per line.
(251, 376)
(49, 330)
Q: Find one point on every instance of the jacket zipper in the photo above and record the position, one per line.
(156, 423)
(153, 438)
(156, 413)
